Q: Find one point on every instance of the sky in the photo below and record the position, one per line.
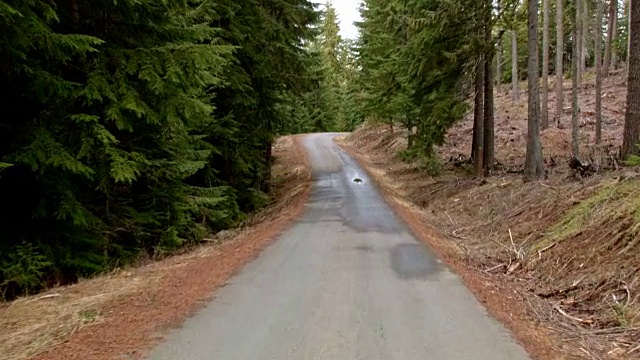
(347, 14)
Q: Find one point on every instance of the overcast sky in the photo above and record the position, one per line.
(347, 14)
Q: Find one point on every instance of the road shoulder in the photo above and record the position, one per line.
(125, 313)
(503, 303)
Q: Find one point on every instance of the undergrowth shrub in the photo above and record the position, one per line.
(24, 268)
(430, 163)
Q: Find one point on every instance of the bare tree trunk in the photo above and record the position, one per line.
(545, 66)
(629, 10)
(578, 39)
(265, 185)
(533, 166)
(559, 61)
(575, 64)
(631, 137)
(478, 121)
(614, 52)
(584, 53)
(611, 33)
(597, 49)
(499, 66)
(515, 90)
(489, 127)
(488, 142)
(498, 77)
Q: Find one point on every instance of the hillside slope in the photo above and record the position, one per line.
(123, 314)
(568, 245)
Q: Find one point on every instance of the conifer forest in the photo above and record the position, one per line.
(134, 128)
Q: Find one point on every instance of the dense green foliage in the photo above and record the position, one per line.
(135, 127)
(415, 59)
(131, 128)
(332, 103)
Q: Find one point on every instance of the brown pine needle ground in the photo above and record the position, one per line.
(569, 246)
(122, 314)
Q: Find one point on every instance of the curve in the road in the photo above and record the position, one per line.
(346, 282)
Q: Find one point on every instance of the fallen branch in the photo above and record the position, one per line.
(634, 348)
(558, 292)
(452, 223)
(585, 349)
(519, 252)
(495, 268)
(628, 294)
(458, 236)
(45, 297)
(616, 330)
(543, 184)
(518, 212)
(545, 249)
(564, 313)
(514, 267)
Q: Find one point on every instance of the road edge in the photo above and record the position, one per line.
(528, 333)
(135, 325)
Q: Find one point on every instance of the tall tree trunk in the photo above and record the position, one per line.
(631, 137)
(575, 64)
(499, 66)
(629, 10)
(533, 166)
(611, 33)
(584, 32)
(489, 128)
(597, 49)
(614, 51)
(498, 75)
(488, 154)
(477, 150)
(559, 61)
(515, 90)
(545, 66)
(578, 39)
(268, 157)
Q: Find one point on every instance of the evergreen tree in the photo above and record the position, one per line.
(329, 47)
(132, 127)
(414, 65)
(349, 116)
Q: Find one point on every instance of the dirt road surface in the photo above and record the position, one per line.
(347, 281)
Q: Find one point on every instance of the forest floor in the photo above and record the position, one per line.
(557, 261)
(123, 314)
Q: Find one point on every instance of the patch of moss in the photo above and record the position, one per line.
(613, 199)
(88, 315)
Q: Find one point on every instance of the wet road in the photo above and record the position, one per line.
(346, 282)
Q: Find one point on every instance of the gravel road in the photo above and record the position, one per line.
(347, 281)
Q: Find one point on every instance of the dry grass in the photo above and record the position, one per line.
(31, 325)
(570, 246)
